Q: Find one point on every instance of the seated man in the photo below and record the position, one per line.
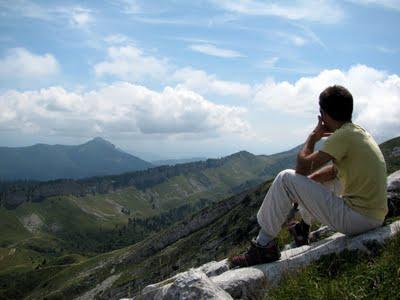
(356, 160)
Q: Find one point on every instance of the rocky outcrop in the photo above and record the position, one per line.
(193, 284)
(393, 192)
(254, 282)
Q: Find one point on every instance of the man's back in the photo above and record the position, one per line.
(361, 169)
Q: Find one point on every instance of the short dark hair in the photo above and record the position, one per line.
(337, 102)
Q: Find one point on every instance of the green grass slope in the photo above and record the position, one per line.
(222, 228)
(391, 152)
(349, 275)
(161, 255)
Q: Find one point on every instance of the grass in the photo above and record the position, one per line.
(349, 275)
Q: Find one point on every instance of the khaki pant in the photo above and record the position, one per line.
(316, 201)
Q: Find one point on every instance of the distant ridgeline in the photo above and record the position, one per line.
(14, 193)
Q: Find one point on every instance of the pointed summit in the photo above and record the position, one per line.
(100, 141)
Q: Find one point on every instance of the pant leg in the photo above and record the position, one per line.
(315, 199)
(334, 186)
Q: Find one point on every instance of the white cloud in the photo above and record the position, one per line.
(298, 40)
(116, 39)
(130, 6)
(19, 63)
(212, 50)
(311, 10)
(118, 109)
(77, 16)
(270, 62)
(129, 63)
(390, 4)
(387, 50)
(376, 96)
(200, 81)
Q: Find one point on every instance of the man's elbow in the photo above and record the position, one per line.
(301, 165)
(301, 171)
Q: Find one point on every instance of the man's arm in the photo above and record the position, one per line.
(324, 174)
(307, 160)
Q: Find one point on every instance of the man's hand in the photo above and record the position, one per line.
(320, 131)
(307, 160)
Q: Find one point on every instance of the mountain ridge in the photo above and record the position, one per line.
(46, 162)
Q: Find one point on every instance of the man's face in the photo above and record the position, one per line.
(325, 119)
(321, 111)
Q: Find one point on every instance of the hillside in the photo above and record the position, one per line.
(210, 234)
(96, 157)
(171, 162)
(43, 215)
(391, 151)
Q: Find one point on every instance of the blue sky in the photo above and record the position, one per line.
(169, 79)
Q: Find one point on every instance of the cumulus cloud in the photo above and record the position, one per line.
(376, 96)
(200, 81)
(121, 108)
(130, 63)
(212, 50)
(311, 10)
(19, 63)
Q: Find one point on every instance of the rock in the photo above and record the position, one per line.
(393, 182)
(294, 259)
(193, 284)
(246, 283)
(214, 268)
(254, 282)
(393, 194)
(99, 288)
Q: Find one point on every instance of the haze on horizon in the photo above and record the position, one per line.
(172, 79)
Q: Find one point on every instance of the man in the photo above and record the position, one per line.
(356, 161)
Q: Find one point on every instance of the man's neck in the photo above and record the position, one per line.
(337, 125)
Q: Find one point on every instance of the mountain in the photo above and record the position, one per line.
(171, 162)
(93, 214)
(96, 157)
(391, 152)
(49, 246)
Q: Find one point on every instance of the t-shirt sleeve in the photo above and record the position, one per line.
(336, 146)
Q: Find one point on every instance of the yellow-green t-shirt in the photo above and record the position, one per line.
(361, 169)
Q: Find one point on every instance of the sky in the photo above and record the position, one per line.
(178, 79)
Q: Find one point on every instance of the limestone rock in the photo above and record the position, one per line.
(214, 268)
(194, 284)
(393, 182)
(246, 283)
(299, 257)
(254, 282)
(393, 194)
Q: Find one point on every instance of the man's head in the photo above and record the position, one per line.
(337, 102)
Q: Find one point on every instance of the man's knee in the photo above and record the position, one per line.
(286, 174)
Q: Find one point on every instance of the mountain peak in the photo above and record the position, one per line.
(100, 141)
(242, 153)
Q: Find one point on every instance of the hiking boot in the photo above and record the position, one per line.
(299, 231)
(256, 254)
